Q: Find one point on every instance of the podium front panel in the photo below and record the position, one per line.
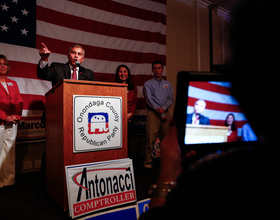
(59, 132)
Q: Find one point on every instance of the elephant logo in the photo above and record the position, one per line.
(98, 123)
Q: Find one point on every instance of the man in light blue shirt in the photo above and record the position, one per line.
(248, 134)
(158, 95)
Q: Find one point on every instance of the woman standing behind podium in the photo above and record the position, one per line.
(232, 131)
(10, 112)
(123, 75)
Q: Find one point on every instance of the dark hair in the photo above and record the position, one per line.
(233, 127)
(157, 62)
(128, 80)
(6, 61)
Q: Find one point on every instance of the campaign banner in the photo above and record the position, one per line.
(96, 186)
(97, 123)
(30, 128)
(143, 206)
(124, 213)
(130, 212)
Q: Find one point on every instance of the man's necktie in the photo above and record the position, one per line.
(196, 120)
(74, 74)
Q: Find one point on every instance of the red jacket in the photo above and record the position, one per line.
(132, 100)
(12, 103)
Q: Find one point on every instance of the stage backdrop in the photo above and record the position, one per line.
(113, 32)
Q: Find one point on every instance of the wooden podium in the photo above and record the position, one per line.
(205, 134)
(59, 132)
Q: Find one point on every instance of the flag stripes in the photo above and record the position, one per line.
(113, 32)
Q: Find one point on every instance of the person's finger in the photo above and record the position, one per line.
(44, 45)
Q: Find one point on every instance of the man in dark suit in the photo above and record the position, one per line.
(196, 117)
(59, 71)
(55, 73)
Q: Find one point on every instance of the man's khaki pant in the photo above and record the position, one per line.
(154, 127)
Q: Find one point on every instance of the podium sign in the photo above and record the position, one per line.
(97, 123)
(96, 186)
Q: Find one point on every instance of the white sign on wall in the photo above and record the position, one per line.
(101, 185)
(97, 123)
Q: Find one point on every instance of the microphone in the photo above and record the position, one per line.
(77, 63)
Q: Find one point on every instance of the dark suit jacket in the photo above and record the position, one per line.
(59, 71)
(202, 119)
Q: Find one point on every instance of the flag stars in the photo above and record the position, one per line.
(24, 12)
(14, 19)
(4, 7)
(18, 23)
(24, 32)
(4, 28)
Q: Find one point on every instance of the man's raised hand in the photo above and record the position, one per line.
(44, 52)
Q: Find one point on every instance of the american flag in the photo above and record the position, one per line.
(219, 103)
(113, 32)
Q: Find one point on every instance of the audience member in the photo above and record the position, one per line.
(11, 105)
(196, 117)
(240, 181)
(232, 131)
(158, 95)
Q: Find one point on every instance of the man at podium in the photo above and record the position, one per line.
(55, 73)
(59, 71)
(196, 117)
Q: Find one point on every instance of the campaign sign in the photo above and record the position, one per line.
(124, 213)
(143, 206)
(30, 128)
(97, 123)
(95, 186)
